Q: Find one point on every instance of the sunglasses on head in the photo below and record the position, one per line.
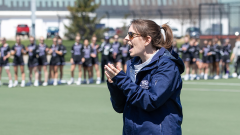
(131, 35)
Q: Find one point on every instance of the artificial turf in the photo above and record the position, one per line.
(210, 108)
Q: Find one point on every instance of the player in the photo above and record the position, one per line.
(33, 51)
(18, 50)
(95, 60)
(5, 54)
(236, 58)
(217, 57)
(226, 51)
(62, 59)
(125, 54)
(116, 54)
(87, 65)
(186, 56)
(76, 60)
(42, 60)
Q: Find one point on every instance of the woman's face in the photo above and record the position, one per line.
(41, 40)
(86, 42)
(137, 43)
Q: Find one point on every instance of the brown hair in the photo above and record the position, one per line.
(150, 28)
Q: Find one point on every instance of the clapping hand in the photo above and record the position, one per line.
(111, 71)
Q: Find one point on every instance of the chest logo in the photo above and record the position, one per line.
(144, 84)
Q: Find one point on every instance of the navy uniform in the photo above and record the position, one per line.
(32, 55)
(18, 56)
(217, 49)
(87, 55)
(197, 53)
(95, 51)
(205, 57)
(212, 57)
(5, 50)
(192, 50)
(64, 52)
(226, 51)
(116, 49)
(77, 53)
(125, 53)
(42, 59)
(55, 59)
(186, 56)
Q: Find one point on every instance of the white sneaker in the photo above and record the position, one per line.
(10, 85)
(55, 83)
(197, 78)
(186, 77)
(45, 84)
(23, 84)
(234, 75)
(239, 77)
(78, 82)
(98, 82)
(225, 76)
(36, 84)
(205, 77)
(15, 83)
(70, 82)
(216, 77)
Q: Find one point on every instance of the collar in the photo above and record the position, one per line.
(137, 60)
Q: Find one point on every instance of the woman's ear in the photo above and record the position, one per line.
(148, 40)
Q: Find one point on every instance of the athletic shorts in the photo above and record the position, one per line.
(88, 62)
(217, 57)
(32, 62)
(95, 61)
(18, 61)
(212, 58)
(55, 62)
(118, 59)
(62, 61)
(226, 59)
(4, 63)
(186, 57)
(77, 61)
(124, 60)
(205, 59)
(42, 61)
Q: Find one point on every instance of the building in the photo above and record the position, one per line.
(178, 13)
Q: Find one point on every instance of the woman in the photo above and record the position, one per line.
(235, 57)
(95, 60)
(55, 60)
(77, 59)
(148, 95)
(42, 59)
(226, 51)
(198, 60)
(18, 50)
(33, 51)
(217, 49)
(205, 59)
(211, 55)
(116, 54)
(5, 54)
(87, 65)
(125, 54)
(186, 56)
(193, 60)
(62, 59)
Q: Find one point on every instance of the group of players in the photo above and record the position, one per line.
(214, 62)
(83, 55)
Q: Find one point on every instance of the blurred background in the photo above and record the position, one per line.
(209, 106)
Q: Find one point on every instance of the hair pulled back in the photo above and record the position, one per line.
(150, 28)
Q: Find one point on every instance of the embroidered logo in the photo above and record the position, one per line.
(144, 84)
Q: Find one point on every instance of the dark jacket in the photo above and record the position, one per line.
(151, 105)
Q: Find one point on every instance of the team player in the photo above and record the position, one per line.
(198, 60)
(105, 49)
(32, 51)
(236, 58)
(125, 54)
(116, 54)
(95, 60)
(193, 67)
(55, 60)
(217, 49)
(5, 54)
(18, 50)
(205, 59)
(76, 60)
(186, 56)
(62, 59)
(226, 51)
(174, 46)
(42, 61)
(87, 65)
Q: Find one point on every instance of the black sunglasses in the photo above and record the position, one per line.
(131, 35)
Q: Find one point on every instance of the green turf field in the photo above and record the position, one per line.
(209, 107)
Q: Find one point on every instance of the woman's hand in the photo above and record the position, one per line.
(111, 71)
